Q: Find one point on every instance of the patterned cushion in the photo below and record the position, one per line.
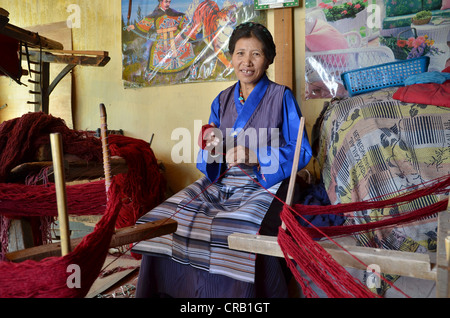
(398, 22)
(431, 4)
(403, 7)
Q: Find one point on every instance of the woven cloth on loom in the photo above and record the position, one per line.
(206, 214)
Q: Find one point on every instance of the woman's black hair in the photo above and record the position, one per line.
(249, 29)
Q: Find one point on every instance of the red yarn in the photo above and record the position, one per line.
(304, 255)
(437, 186)
(18, 200)
(201, 136)
(135, 193)
(53, 277)
(20, 139)
(9, 57)
(143, 186)
(317, 264)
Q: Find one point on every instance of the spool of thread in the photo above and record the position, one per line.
(203, 141)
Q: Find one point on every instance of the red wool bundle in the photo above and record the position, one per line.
(129, 197)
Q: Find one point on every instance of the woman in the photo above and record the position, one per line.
(249, 152)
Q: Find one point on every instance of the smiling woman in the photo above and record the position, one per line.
(249, 63)
(227, 199)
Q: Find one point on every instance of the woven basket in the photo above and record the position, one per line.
(420, 21)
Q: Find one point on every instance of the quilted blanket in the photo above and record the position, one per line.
(373, 146)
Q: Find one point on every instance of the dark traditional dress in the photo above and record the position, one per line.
(228, 201)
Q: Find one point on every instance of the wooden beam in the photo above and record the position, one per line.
(442, 257)
(122, 237)
(393, 262)
(4, 13)
(31, 38)
(74, 170)
(83, 58)
(284, 41)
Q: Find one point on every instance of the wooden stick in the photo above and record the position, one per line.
(58, 168)
(90, 52)
(123, 236)
(298, 147)
(31, 38)
(105, 149)
(409, 264)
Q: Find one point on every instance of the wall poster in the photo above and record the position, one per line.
(169, 42)
(345, 35)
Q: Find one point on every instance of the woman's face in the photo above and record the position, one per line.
(249, 61)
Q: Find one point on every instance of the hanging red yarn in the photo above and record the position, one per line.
(20, 139)
(437, 186)
(312, 259)
(316, 263)
(141, 188)
(9, 57)
(56, 277)
(129, 196)
(18, 200)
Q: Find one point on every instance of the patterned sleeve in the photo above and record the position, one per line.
(146, 24)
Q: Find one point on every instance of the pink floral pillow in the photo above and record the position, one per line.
(324, 37)
(445, 4)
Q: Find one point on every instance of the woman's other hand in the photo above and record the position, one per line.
(241, 154)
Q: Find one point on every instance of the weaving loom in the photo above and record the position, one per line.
(295, 242)
(27, 187)
(40, 52)
(124, 204)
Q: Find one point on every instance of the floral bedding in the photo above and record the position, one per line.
(372, 145)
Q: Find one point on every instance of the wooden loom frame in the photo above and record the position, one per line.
(402, 263)
(394, 262)
(121, 237)
(43, 52)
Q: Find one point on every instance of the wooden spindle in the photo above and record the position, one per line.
(105, 147)
(298, 147)
(61, 196)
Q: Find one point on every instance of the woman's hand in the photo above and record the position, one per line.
(240, 154)
(211, 140)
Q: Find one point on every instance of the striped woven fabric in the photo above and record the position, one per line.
(206, 214)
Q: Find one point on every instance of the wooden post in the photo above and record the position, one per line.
(443, 254)
(60, 186)
(283, 38)
(298, 147)
(105, 149)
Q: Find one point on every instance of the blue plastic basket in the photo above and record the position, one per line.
(380, 76)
